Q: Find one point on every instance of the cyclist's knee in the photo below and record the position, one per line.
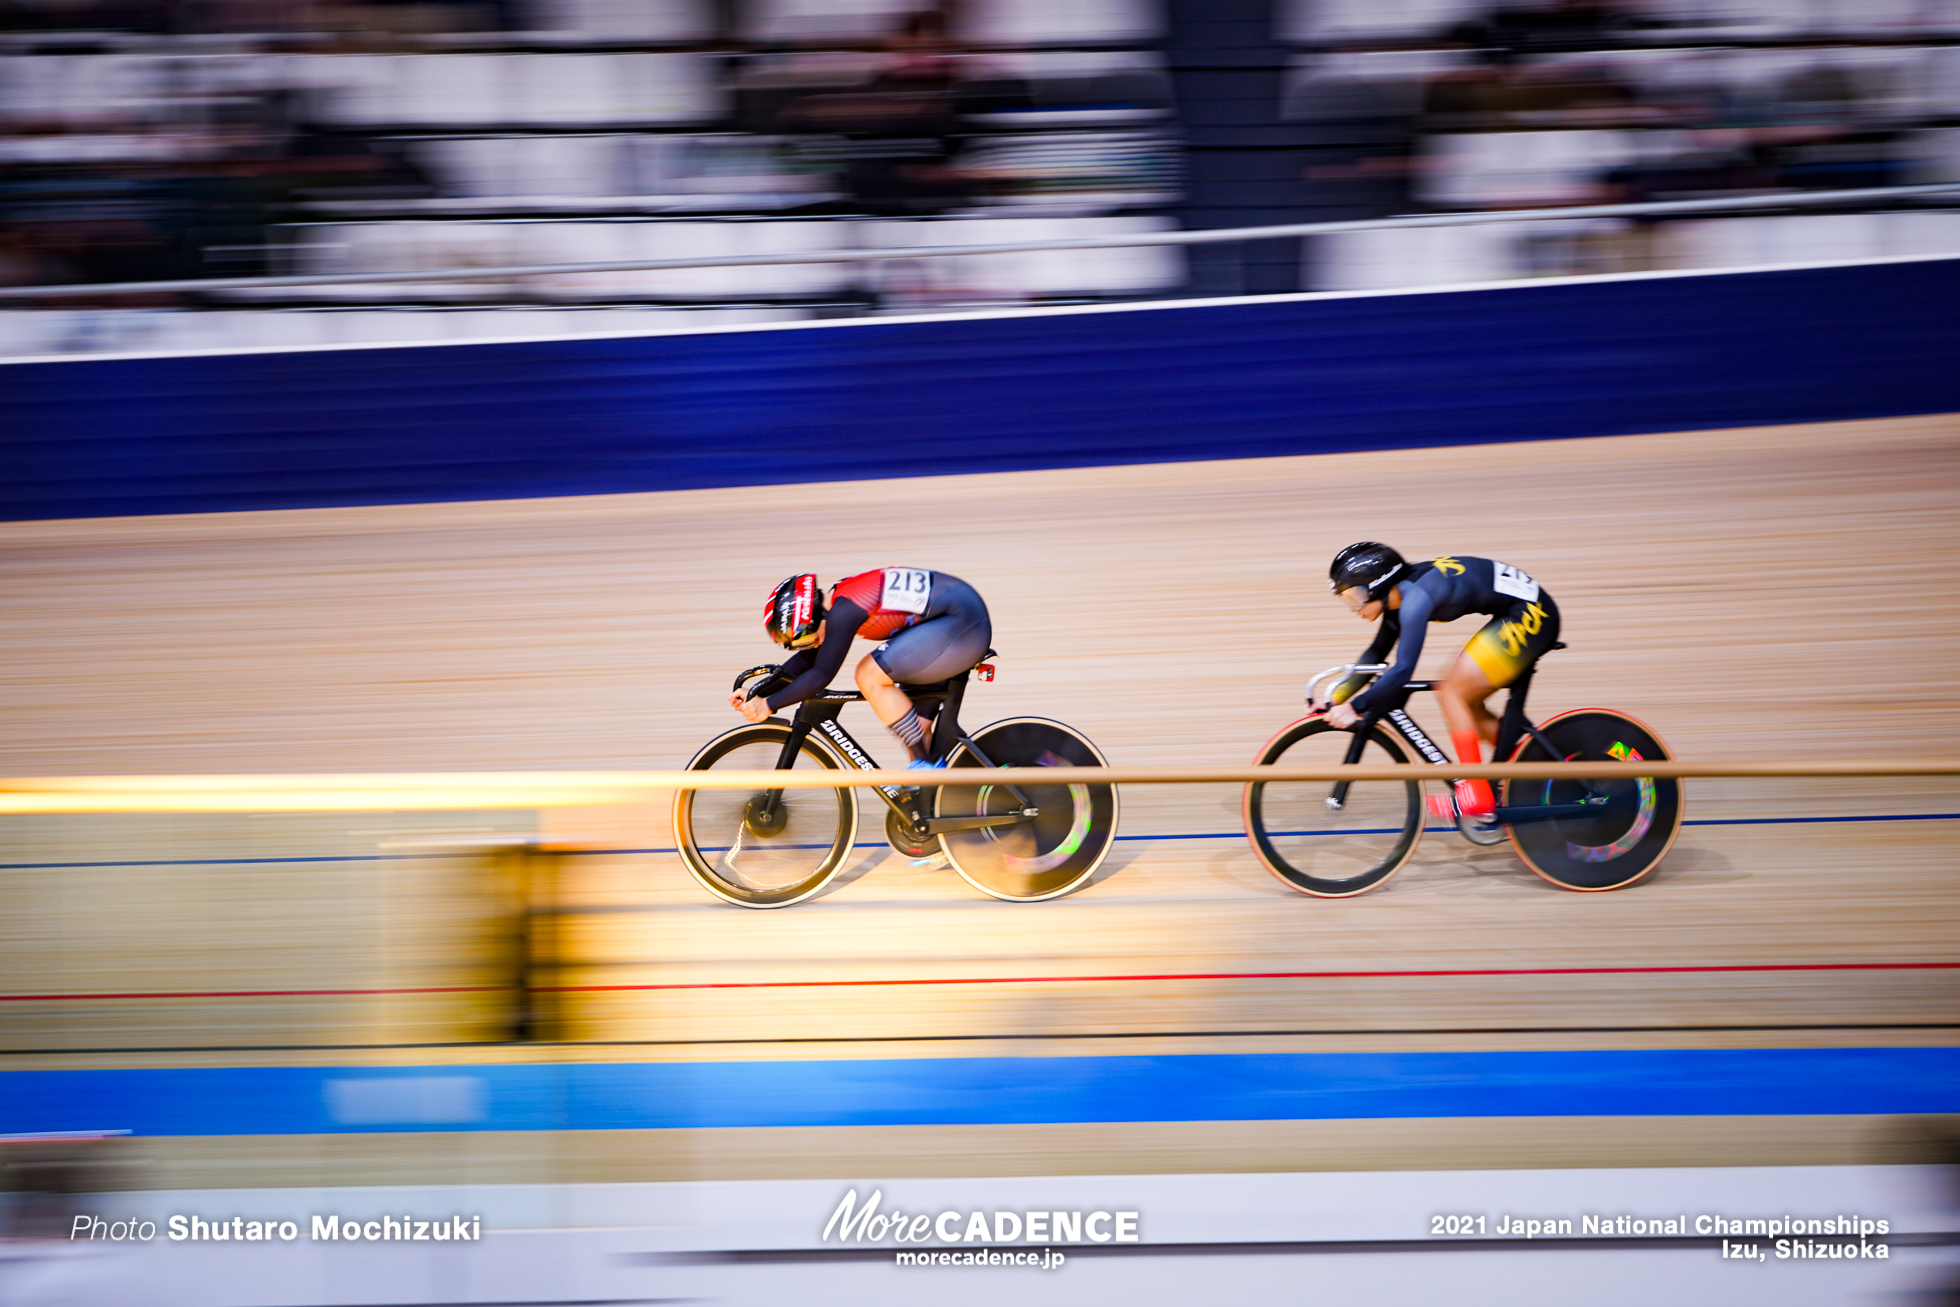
(870, 676)
(1467, 683)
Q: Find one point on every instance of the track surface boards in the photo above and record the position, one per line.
(1750, 594)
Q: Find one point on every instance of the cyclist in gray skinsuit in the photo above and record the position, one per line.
(932, 626)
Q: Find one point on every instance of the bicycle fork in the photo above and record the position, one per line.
(764, 813)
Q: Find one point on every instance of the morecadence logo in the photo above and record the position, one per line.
(855, 1222)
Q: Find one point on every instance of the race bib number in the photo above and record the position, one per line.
(907, 589)
(1507, 581)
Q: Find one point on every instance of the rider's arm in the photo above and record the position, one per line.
(1391, 627)
(791, 668)
(840, 628)
(1417, 604)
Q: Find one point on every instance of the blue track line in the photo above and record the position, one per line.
(879, 844)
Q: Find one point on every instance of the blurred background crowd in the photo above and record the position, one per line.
(170, 139)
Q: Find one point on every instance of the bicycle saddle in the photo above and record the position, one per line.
(941, 687)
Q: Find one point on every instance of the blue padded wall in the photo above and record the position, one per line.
(904, 398)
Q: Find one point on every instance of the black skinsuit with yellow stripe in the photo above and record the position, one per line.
(1523, 625)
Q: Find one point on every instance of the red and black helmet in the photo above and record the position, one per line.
(794, 611)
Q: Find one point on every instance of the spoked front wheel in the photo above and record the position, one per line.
(1626, 838)
(763, 848)
(1318, 848)
(1053, 852)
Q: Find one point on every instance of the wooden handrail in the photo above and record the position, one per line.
(440, 791)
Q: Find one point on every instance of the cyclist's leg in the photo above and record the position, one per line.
(891, 704)
(935, 649)
(1461, 696)
(1496, 657)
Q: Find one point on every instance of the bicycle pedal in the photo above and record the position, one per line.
(1442, 807)
(935, 862)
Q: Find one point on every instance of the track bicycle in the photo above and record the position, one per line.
(1335, 839)
(774, 848)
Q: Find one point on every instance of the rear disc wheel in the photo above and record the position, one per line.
(1042, 857)
(1623, 841)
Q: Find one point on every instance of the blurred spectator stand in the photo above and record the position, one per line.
(215, 139)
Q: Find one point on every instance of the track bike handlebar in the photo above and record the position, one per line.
(1344, 671)
(766, 670)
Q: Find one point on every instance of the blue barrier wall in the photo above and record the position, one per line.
(905, 398)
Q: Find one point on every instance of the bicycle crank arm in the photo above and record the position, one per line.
(947, 825)
(1547, 812)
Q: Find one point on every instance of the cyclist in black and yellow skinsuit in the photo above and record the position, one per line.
(1377, 585)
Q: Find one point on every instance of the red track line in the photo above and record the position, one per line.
(1016, 980)
(1264, 975)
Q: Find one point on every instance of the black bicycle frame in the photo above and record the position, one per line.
(820, 714)
(1510, 728)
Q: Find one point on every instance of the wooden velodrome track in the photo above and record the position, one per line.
(1770, 593)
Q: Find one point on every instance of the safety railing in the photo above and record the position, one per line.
(1208, 236)
(457, 791)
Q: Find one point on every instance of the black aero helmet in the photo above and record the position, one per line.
(794, 610)
(1370, 566)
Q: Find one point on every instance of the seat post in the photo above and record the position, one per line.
(946, 729)
(1511, 727)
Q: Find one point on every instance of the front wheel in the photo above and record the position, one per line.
(763, 848)
(1621, 842)
(1050, 854)
(1316, 847)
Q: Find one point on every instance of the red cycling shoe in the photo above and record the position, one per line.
(1472, 798)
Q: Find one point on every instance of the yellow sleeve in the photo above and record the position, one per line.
(1349, 688)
